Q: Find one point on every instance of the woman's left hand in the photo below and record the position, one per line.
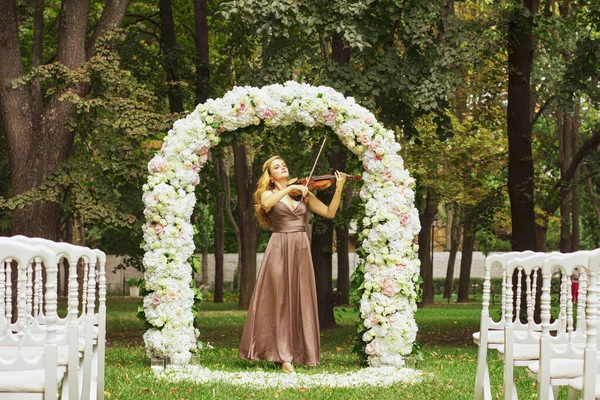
(340, 179)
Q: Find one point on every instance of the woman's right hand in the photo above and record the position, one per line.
(298, 188)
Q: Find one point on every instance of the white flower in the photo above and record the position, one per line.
(391, 221)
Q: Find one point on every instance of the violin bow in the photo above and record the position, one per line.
(315, 164)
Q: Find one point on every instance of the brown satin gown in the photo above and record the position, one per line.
(283, 322)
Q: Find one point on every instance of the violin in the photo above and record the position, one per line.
(319, 182)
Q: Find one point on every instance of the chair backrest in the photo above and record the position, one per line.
(497, 260)
(590, 358)
(568, 342)
(18, 258)
(73, 255)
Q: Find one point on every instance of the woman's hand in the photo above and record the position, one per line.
(340, 179)
(299, 188)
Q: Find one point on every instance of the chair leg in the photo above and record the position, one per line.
(482, 373)
(487, 389)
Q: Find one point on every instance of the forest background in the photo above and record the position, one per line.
(495, 104)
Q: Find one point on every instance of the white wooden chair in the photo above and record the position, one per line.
(86, 330)
(491, 333)
(26, 374)
(587, 386)
(521, 347)
(561, 356)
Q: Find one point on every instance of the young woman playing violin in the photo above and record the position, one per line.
(283, 321)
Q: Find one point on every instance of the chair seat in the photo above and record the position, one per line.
(532, 351)
(577, 384)
(524, 351)
(26, 381)
(31, 352)
(561, 368)
(494, 337)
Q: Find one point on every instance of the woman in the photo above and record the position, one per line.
(283, 321)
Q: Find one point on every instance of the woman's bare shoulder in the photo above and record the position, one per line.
(266, 194)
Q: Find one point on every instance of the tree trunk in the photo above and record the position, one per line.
(541, 227)
(454, 244)
(466, 261)
(170, 56)
(563, 122)
(322, 242)
(595, 204)
(245, 184)
(202, 60)
(234, 225)
(219, 232)
(575, 192)
(426, 218)
(520, 162)
(204, 266)
(321, 251)
(343, 243)
(449, 225)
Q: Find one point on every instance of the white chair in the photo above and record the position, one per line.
(85, 330)
(561, 356)
(25, 374)
(521, 347)
(587, 386)
(491, 333)
(72, 328)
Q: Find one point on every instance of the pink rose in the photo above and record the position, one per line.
(241, 109)
(387, 175)
(268, 114)
(197, 180)
(389, 290)
(332, 115)
(403, 219)
(373, 318)
(368, 120)
(363, 138)
(371, 349)
(158, 164)
(203, 151)
(159, 229)
(156, 301)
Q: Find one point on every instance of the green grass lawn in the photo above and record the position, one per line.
(450, 358)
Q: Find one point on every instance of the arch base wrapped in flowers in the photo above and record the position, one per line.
(389, 264)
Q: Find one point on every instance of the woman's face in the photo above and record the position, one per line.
(278, 170)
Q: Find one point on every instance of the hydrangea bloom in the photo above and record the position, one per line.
(390, 224)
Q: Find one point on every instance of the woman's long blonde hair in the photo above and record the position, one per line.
(264, 183)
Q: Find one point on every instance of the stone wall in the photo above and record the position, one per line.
(116, 279)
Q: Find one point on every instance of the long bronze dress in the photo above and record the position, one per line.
(283, 322)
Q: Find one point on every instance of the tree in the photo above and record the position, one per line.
(34, 121)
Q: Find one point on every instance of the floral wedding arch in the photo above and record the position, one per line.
(391, 268)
